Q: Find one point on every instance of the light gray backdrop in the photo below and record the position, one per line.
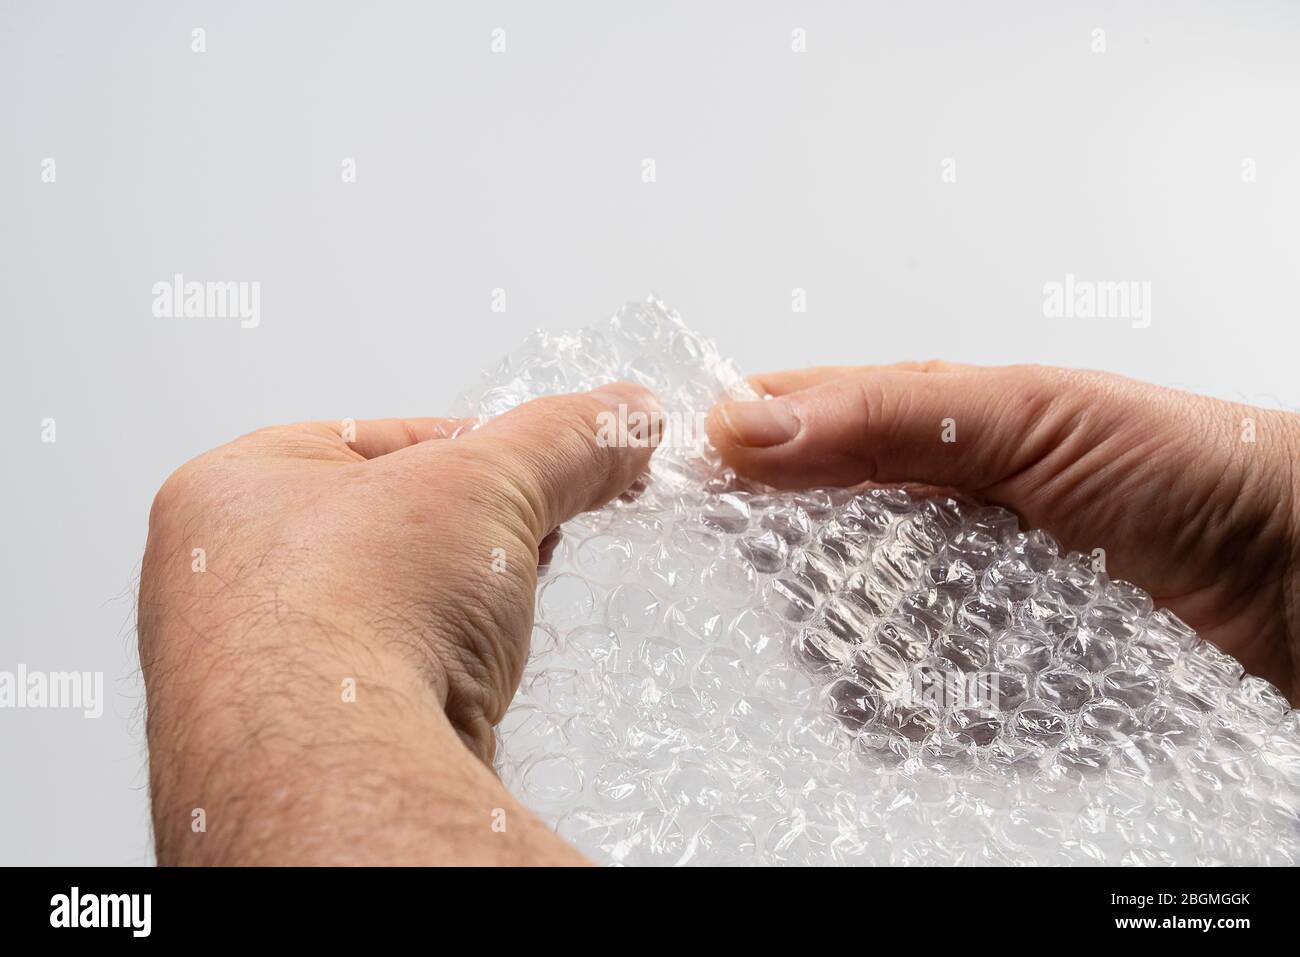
(524, 170)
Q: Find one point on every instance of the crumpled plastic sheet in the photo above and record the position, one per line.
(722, 674)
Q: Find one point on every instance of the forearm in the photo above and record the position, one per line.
(290, 743)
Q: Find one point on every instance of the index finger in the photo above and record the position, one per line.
(796, 380)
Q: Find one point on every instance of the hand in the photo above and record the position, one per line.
(1191, 498)
(330, 629)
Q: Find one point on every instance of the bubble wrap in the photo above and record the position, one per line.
(722, 674)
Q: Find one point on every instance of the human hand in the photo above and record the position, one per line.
(1192, 498)
(329, 629)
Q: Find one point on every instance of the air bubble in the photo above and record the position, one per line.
(727, 674)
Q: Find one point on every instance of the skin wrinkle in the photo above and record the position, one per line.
(537, 477)
(1278, 514)
(1221, 507)
(896, 408)
(522, 498)
(1050, 433)
(604, 475)
(487, 661)
(411, 642)
(870, 396)
(1291, 596)
(1120, 461)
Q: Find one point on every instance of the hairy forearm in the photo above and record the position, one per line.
(293, 742)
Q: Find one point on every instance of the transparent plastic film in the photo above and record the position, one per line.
(721, 674)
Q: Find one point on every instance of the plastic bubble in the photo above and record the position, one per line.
(725, 674)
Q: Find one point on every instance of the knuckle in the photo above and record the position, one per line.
(935, 365)
(1053, 395)
(267, 435)
(869, 401)
(1034, 389)
(870, 408)
(176, 491)
(288, 440)
(1055, 380)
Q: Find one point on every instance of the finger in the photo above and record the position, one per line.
(965, 429)
(796, 380)
(372, 438)
(563, 455)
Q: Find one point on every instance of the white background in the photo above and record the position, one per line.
(523, 171)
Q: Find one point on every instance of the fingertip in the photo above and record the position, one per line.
(629, 395)
(719, 429)
(761, 424)
(731, 434)
(632, 420)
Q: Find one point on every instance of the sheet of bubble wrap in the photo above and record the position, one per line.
(724, 675)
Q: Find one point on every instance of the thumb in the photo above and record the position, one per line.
(567, 454)
(970, 428)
